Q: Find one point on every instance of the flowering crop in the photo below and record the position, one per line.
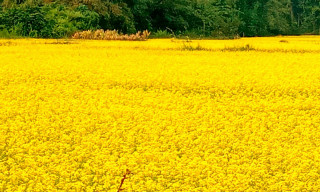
(77, 115)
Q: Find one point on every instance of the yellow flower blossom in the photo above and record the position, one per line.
(205, 115)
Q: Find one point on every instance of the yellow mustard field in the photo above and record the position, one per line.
(205, 115)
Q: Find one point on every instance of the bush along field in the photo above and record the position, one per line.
(111, 35)
(49, 21)
(160, 115)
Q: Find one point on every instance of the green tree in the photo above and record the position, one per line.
(222, 17)
(278, 16)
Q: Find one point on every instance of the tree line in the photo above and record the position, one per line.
(207, 18)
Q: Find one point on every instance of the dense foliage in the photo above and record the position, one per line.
(218, 18)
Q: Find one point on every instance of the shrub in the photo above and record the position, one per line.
(161, 34)
(49, 21)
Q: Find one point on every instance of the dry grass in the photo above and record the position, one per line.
(111, 35)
